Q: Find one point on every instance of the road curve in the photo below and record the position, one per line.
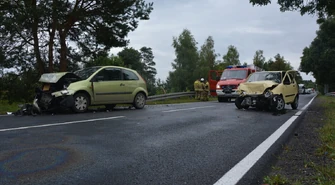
(194, 143)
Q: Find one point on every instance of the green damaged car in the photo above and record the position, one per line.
(99, 85)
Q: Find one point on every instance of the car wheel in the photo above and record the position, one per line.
(110, 106)
(279, 104)
(238, 102)
(295, 104)
(139, 101)
(81, 102)
(220, 99)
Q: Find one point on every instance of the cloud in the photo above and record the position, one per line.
(229, 22)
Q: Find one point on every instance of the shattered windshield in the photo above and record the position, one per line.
(234, 74)
(86, 72)
(264, 76)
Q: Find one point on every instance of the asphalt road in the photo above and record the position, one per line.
(195, 143)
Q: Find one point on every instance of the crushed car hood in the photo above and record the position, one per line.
(52, 77)
(256, 87)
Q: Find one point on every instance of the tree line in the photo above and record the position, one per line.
(192, 63)
(43, 36)
(318, 57)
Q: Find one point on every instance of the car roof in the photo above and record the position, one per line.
(116, 67)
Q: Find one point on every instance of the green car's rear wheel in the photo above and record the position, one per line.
(139, 100)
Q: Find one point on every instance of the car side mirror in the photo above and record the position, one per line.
(217, 78)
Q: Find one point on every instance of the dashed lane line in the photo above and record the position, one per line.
(57, 124)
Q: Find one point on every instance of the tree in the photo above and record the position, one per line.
(322, 8)
(39, 26)
(259, 59)
(131, 59)
(278, 64)
(149, 71)
(105, 60)
(318, 58)
(230, 58)
(207, 57)
(187, 57)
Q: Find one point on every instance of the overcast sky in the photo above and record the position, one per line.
(229, 22)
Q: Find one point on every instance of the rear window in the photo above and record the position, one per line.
(129, 75)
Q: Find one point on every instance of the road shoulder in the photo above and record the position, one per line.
(294, 165)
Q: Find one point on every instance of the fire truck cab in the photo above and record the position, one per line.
(230, 79)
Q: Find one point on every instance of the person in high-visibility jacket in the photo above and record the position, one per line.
(196, 89)
(202, 88)
(205, 92)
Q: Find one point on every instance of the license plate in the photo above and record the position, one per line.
(46, 87)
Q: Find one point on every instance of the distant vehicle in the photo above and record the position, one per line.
(302, 89)
(99, 85)
(230, 79)
(269, 90)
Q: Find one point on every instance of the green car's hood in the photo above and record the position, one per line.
(257, 87)
(52, 77)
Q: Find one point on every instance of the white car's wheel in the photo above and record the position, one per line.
(139, 101)
(81, 102)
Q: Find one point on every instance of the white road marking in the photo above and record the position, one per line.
(57, 124)
(298, 113)
(176, 110)
(240, 169)
(308, 103)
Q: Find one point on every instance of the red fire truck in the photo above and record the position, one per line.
(227, 81)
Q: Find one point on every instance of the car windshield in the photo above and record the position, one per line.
(263, 76)
(234, 74)
(86, 72)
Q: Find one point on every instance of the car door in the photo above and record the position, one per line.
(131, 80)
(289, 90)
(108, 87)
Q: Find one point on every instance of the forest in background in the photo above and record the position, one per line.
(45, 36)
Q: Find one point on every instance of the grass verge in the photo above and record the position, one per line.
(7, 107)
(319, 161)
(327, 135)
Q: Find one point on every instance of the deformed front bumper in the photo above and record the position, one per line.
(227, 94)
(53, 103)
(257, 100)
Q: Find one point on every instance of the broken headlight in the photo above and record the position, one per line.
(267, 93)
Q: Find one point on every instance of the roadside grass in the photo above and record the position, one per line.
(325, 171)
(7, 107)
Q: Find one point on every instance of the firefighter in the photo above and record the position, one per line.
(196, 89)
(206, 91)
(202, 88)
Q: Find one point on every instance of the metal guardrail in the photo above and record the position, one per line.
(169, 95)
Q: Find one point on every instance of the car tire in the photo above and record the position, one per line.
(220, 99)
(139, 101)
(295, 104)
(238, 102)
(110, 106)
(279, 104)
(81, 102)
